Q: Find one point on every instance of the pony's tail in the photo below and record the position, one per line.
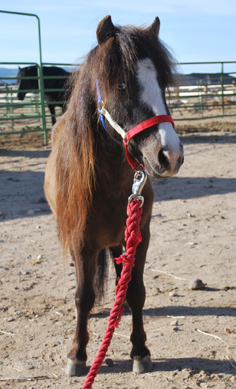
(102, 268)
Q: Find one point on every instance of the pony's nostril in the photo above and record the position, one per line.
(162, 158)
(179, 163)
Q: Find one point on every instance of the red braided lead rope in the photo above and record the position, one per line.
(132, 238)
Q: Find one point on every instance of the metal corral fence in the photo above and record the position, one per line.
(203, 94)
(22, 98)
(199, 95)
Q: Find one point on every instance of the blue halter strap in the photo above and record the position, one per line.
(99, 109)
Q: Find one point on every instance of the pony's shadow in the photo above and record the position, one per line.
(227, 137)
(183, 188)
(209, 366)
(166, 189)
(25, 153)
(177, 310)
(22, 192)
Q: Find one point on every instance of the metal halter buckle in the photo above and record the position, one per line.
(140, 179)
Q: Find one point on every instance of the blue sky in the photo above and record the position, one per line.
(202, 30)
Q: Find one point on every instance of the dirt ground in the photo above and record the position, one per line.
(191, 333)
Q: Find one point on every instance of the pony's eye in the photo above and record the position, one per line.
(121, 86)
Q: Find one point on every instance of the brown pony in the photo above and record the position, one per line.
(88, 179)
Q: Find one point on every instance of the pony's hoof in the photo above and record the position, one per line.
(142, 365)
(75, 367)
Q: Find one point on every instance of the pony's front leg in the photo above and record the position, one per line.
(136, 297)
(85, 263)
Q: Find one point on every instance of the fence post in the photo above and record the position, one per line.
(40, 72)
(222, 88)
(41, 85)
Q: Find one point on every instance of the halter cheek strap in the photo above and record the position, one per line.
(133, 131)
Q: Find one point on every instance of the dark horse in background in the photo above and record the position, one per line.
(59, 89)
(88, 179)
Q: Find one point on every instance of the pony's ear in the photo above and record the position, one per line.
(105, 29)
(19, 67)
(155, 26)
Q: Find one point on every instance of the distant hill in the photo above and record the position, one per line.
(205, 79)
(6, 72)
(184, 79)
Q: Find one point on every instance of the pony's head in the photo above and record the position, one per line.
(133, 70)
(24, 84)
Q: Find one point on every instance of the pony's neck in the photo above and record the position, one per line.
(111, 167)
(110, 146)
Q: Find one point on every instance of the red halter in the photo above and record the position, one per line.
(133, 131)
(139, 128)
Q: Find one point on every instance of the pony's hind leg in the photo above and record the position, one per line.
(85, 263)
(136, 297)
(116, 252)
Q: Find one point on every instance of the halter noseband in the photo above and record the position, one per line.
(133, 131)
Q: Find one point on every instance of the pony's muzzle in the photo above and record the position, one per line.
(171, 160)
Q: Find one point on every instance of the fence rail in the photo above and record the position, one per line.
(200, 94)
(203, 94)
(29, 114)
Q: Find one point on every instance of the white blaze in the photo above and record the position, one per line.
(151, 96)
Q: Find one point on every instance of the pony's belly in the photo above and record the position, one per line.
(101, 236)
